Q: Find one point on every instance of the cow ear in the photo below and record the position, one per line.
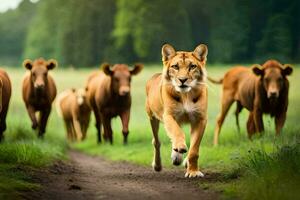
(257, 70)
(27, 64)
(106, 69)
(167, 52)
(51, 64)
(201, 52)
(137, 69)
(287, 70)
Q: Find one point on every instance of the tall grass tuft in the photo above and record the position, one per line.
(273, 175)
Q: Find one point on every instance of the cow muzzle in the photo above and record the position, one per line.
(124, 90)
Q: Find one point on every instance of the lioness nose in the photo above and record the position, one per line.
(182, 80)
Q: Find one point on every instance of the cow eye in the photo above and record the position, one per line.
(176, 67)
(193, 66)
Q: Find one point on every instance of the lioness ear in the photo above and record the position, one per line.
(257, 70)
(137, 69)
(201, 52)
(27, 64)
(51, 64)
(106, 69)
(73, 90)
(288, 70)
(167, 52)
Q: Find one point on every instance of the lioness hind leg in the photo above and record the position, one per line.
(156, 164)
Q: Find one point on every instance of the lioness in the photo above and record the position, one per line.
(179, 95)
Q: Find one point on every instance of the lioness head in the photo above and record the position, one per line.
(185, 70)
(273, 76)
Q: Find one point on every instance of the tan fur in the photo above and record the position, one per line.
(260, 89)
(39, 91)
(5, 94)
(177, 96)
(73, 107)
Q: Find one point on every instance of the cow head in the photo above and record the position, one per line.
(80, 96)
(273, 77)
(39, 72)
(121, 76)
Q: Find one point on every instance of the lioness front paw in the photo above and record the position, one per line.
(180, 147)
(193, 174)
(176, 158)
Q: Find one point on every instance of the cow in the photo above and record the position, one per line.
(109, 96)
(39, 91)
(261, 90)
(5, 94)
(72, 106)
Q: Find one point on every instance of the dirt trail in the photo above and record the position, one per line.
(87, 177)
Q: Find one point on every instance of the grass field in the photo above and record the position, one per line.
(251, 161)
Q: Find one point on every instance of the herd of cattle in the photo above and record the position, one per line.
(175, 96)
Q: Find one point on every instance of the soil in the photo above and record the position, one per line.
(89, 177)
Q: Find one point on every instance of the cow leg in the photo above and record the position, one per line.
(125, 121)
(226, 103)
(31, 111)
(44, 115)
(279, 122)
(98, 124)
(107, 129)
(156, 163)
(250, 126)
(239, 108)
(68, 125)
(3, 122)
(85, 125)
(258, 121)
(77, 129)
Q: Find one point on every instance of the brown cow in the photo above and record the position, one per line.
(73, 107)
(5, 94)
(39, 91)
(109, 96)
(260, 89)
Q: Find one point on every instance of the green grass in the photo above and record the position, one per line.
(22, 148)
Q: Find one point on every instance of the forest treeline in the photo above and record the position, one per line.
(86, 33)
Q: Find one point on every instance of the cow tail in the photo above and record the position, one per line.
(220, 81)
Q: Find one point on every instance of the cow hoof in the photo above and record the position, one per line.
(34, 126)
(176, 158)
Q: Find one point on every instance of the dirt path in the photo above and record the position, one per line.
(87, 177)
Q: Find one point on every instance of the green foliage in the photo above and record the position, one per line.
(86, 33)
(144, 26)
(14, 25)
(75, 33)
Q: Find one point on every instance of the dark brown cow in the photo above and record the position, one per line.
(109, 96)
(260, 89)
(5, 94)
(39, 91)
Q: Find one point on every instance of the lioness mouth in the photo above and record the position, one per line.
(183, 86)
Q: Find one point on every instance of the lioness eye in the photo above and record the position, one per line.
(175, 67)
(192, 66)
